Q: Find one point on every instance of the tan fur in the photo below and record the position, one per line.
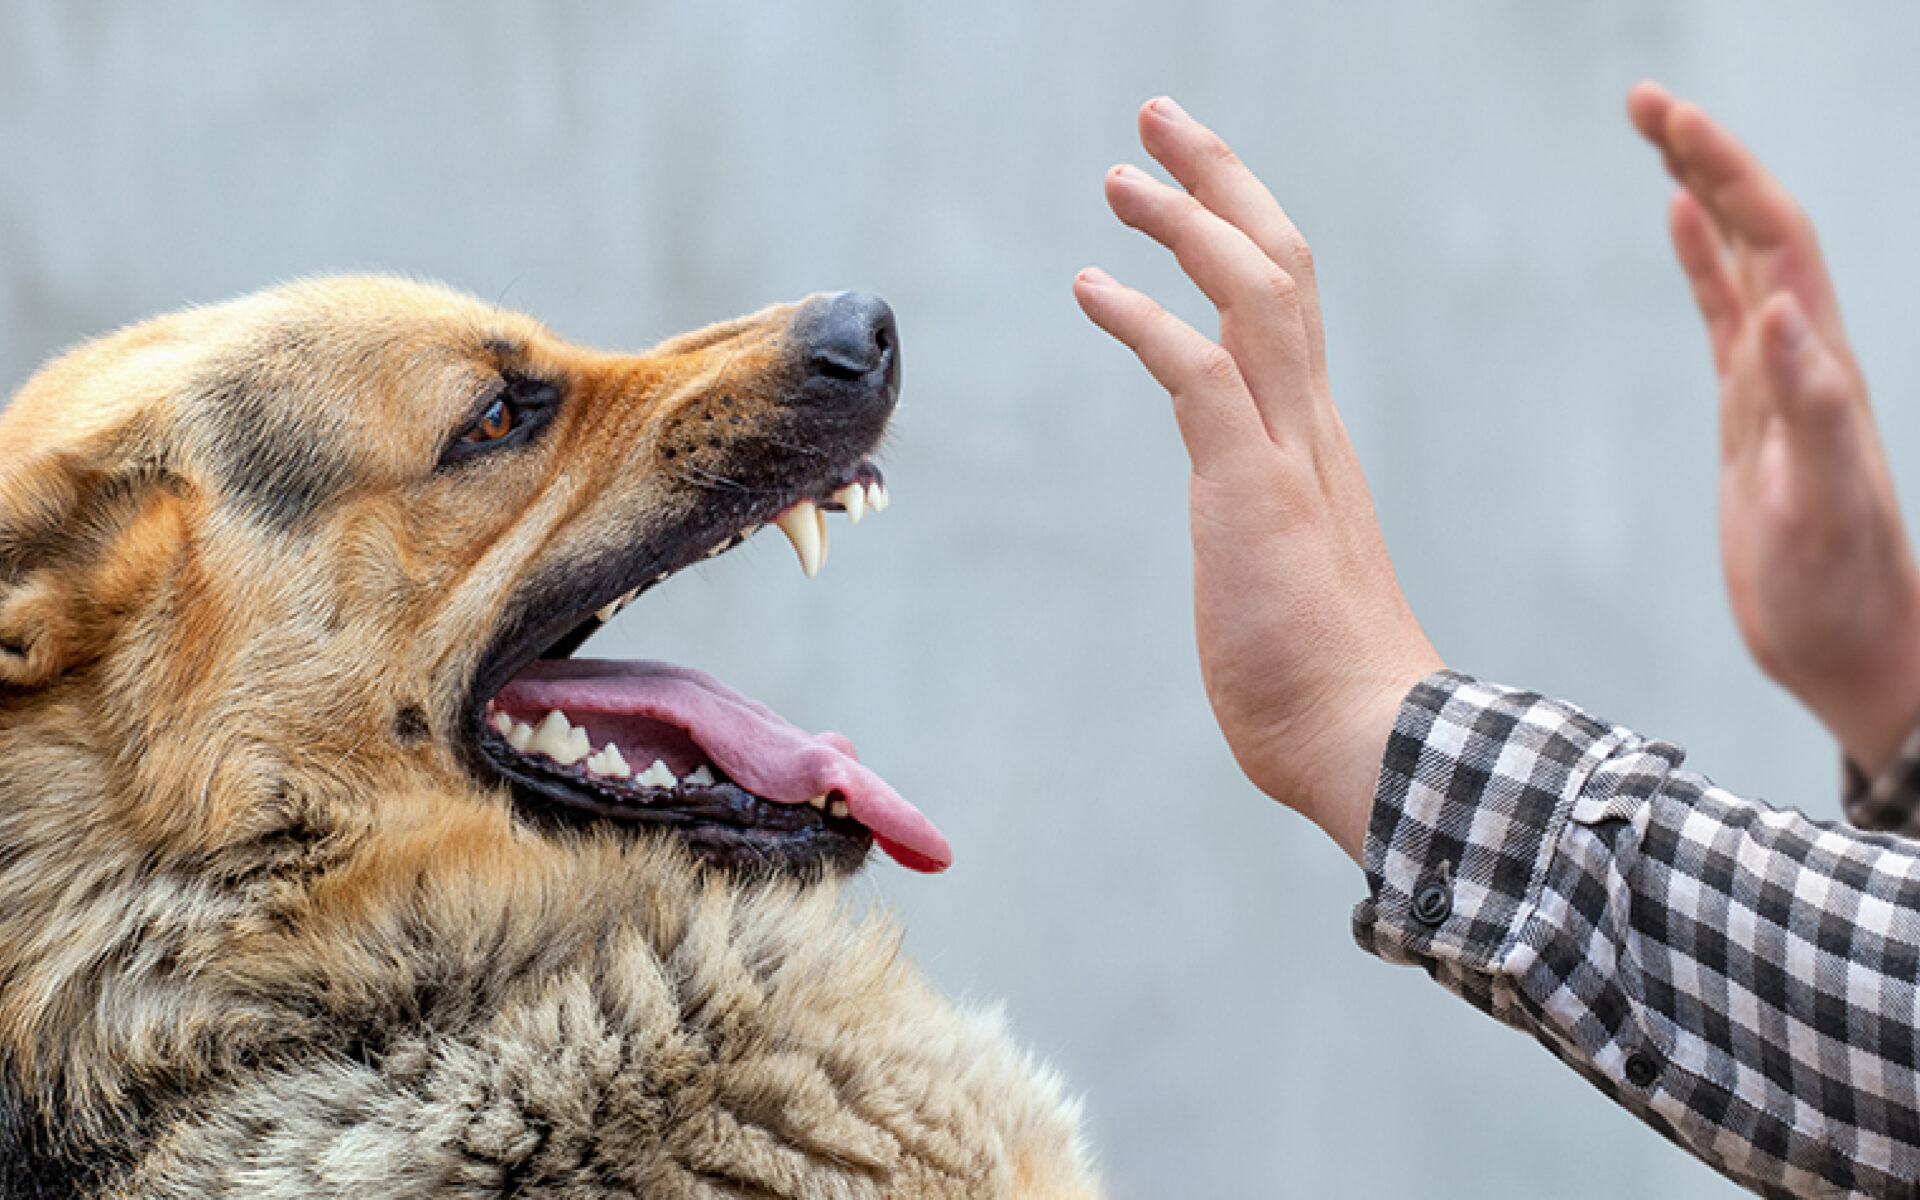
(254, 942)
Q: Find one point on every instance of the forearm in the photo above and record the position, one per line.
(1739, 978)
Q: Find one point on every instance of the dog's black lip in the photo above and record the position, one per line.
(550, 799)
(738, 830)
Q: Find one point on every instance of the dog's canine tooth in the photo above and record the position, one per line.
(853, 498)
(658, 775)
(877, 496)
(701, 776)
(806, 528)
(610, 762)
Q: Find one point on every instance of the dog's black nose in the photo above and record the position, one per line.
(851, 337)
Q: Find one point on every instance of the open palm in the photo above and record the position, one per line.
(1819, 571)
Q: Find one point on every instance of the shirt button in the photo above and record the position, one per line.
(1432, 903)
(1642, 1069)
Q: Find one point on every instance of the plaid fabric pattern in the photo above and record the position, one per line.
(1740, 978)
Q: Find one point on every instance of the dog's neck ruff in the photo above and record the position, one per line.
(681, 719)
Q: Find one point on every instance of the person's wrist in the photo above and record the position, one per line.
(1329, 773)
(1872, 720)
(1872, 707)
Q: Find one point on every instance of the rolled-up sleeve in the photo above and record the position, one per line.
(1740, 978)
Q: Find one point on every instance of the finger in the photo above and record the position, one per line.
(1813, 389)
(1758, 218)
(1703, 258)
(1647, 106)
(1207, 167)
(1260, 308)
(1741, 194)
(1211, 403)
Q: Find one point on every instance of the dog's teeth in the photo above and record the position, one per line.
(837, 809)
(607, 610)
(877, 496)
(700, 775)
(503, 724)
(853, 498)
(556, 738)
(658, 775)
(610, 762)
(628, 598)
(806, 528)
(819, 802)
(520, 736)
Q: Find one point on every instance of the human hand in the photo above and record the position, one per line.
(1306, 644)
(1818, 566)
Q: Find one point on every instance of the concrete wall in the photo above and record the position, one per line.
(1510, 343)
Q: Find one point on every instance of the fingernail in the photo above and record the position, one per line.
(1095, 277)
(1131, 173)
(1166, 107)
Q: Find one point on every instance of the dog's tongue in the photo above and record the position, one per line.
(755, 746)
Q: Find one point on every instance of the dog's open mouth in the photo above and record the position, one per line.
(587, 742)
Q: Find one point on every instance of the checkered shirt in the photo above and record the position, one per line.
(1742, 979)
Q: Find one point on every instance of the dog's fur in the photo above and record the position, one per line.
(262, 930)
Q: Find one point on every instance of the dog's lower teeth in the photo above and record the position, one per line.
(837, 809)
(610, 763)
(700, 776)
(559, 740)
(658, 775)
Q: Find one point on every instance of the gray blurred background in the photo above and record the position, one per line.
(1510, 343)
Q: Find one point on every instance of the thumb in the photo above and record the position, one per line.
(1810, 386)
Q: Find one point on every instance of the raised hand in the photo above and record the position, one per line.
(1306, 643)
(1818, 567)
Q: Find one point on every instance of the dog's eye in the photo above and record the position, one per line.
(512, 415)
(494, 424)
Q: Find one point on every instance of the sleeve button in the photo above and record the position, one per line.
(1642, 1069)
(1432, 903)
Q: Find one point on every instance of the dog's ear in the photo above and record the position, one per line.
(84, 532)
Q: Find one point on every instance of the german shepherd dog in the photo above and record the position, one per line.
(325, 868)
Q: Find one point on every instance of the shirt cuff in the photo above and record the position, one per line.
(1887, 801)
(1476, 785)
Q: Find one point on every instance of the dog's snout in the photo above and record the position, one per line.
(851, 337)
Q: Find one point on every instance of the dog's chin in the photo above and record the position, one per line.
(637, 750)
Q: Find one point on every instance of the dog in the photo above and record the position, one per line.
(326, 869)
